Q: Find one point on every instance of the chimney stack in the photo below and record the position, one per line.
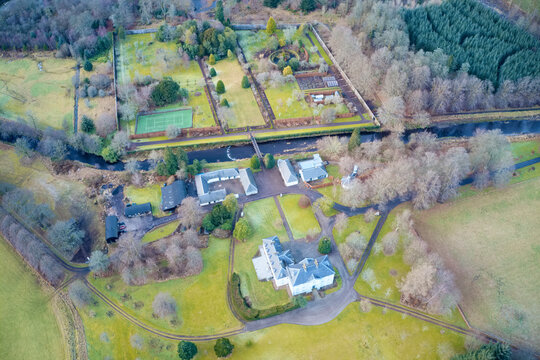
(304, 266)
(316, 263)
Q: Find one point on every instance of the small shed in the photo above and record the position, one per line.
(172, 195)
(111, 228)
(133, 210)
(248, 182)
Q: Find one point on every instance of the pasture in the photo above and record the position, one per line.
(201, 299)
(242, 101)
(43, 98)
(29, 328)
(490, 241)
(263, 216)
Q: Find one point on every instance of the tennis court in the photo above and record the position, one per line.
(161, 120)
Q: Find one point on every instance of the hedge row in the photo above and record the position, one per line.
(249, 313)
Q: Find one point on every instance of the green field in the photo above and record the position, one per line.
(28, 325)
(300, 220)
(161, 120)
(352, 335)
(356, 223)
(46, 95)
(190, 77)
(490, 241)
(160, 232)
(242, 101)
(263, 217)
(525, 150)
(201, 299)
(528, 6)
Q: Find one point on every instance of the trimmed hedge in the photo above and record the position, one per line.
(246, 311)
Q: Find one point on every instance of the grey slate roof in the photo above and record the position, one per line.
(314, 269)
(111, 228)
(312, 169)
(213, 196)
(287, 171)
(203, 189)
(138, 209)
(279, 259)
(248, 181)
(172, 195)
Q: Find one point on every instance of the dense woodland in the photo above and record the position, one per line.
(494, 48)
(410, 85)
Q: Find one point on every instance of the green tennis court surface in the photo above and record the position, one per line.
(160, 121)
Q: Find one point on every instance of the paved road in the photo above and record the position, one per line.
(76, 104)
(284, 219)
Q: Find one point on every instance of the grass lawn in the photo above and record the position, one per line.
(58, 192)
(201, 299)
(352, 335)
(525, 150)
(490, 241)
(196, 142)
(242, 101)
(278, 101)
(29, 328)
(244, 163)
(528, 5)
(320, 48)
(160, 232)
(264, 218)
(110, 336)
(300, 220)
(356, 223)
(150, 193)
(47, 95)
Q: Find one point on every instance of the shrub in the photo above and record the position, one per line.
(242, 230)
(87, 125)
(245, 82)
(213, 72)
(281, 64)
(255, 164)
(92, 91)
(304, 202)
(230, 54)
(223, 347)
(355, 139)
(294, 64)
(164, 305)
(325, 246)
(269, 161)
(88, 66)
(109, 155)
(212, 59)
(271, 26)
(166, 92)
(224, 102)
(220, 87)
(287, 71)
(186, 350)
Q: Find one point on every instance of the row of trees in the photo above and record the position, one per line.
(374, 51)
(36, 254)
(420, 170)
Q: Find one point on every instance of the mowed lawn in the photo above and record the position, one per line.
(300, 220)
(356, 223)
(278, 96)
(28, 326)
(242, 101)
(491, 242)
(160, 232)
(47, 95)
(201, 299)
(263, 216)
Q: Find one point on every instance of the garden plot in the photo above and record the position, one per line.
(101, 109)
(490, 241)
(244, 110)
(45, 96)
(141, 55)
